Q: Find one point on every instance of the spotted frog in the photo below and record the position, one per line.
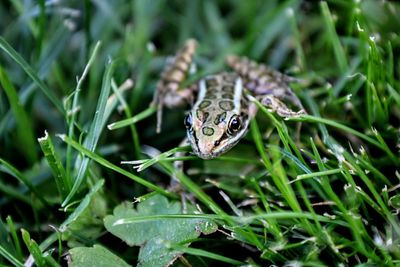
(223, 106)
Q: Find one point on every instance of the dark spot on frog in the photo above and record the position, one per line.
(228, 89)
(226, 105)
(202, 116)
(211, 82)
(204, 104)
(207, 131)
(220, 118)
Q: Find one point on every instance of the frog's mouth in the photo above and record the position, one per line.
(210, 152)
(214, 152)
(194, 142)
(207, 156)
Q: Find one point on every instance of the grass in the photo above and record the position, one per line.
(76, 81)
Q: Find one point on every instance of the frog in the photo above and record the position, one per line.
(222, 104)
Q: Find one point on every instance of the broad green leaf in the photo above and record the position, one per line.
(156, 235)
(96, 256)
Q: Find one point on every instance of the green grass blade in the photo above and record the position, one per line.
(13, 232)
(344, 79)
(14, 193)
(316, 174)
(394, 94)
(7, 255)
(242, 220)
(384, 207)
(13, 171)
(195, 189)
(310, 118)
(203, 253)
(334, 38)
(354, 224)
(113, 167)
(300, 58)
(62, 181)
(52, 50)
(273, 226)
(218, 29)
(280, 181)
(25, 131)
(141, 165)
(82, 205)
(138, 117)
(272, 25)
(6, 47)
(50, 260)
(74, 107)
(41, 26)
(33, 248)
(393, 157)
(118, 96)
(95, 131)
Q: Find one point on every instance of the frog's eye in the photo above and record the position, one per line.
(234, 125)
(188, 121)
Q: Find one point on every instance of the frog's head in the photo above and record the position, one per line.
(216, 123)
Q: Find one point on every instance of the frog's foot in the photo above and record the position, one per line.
(169, 91)
(274, 104)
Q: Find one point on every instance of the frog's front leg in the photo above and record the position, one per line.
(266, 84)
(275, 105)
(175, 185)
(169, 91)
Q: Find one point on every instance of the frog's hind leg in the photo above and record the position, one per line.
(264, 81)
(168, 91)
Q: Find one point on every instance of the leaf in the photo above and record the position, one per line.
(95, 256)
(156, 234)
